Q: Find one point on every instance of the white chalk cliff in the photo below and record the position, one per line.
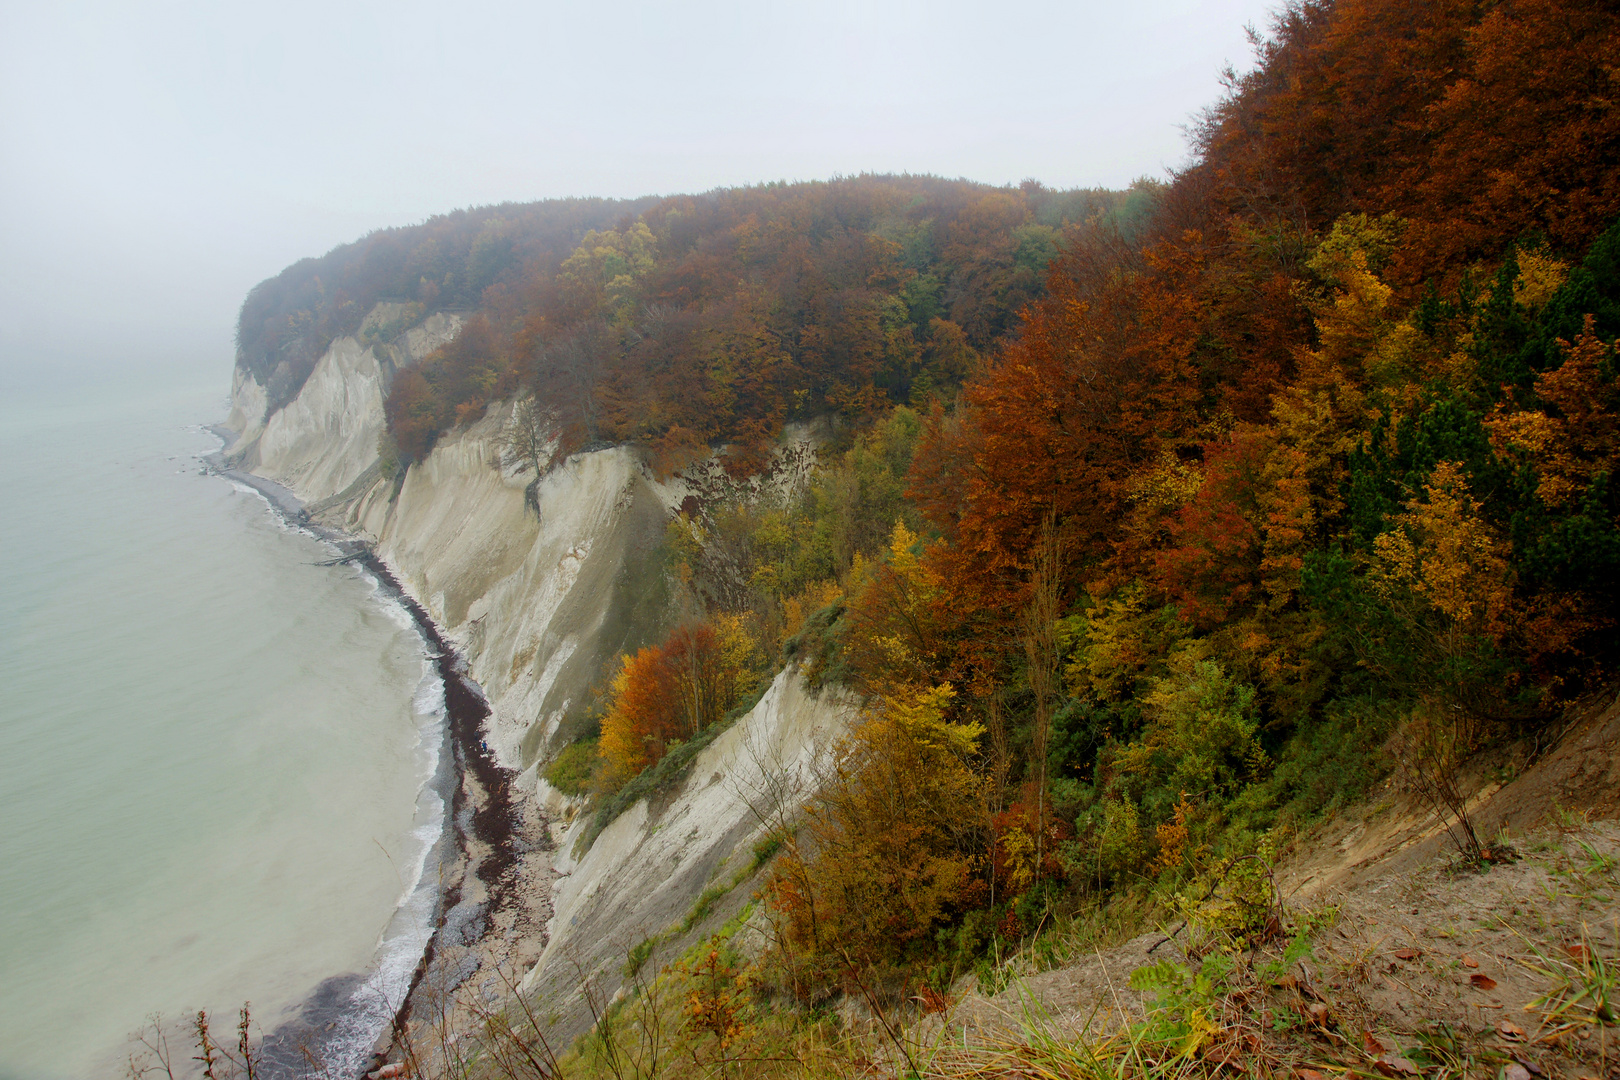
(541, 606)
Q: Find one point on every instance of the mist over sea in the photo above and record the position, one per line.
(214, 748)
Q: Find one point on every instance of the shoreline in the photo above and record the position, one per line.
(488, 827)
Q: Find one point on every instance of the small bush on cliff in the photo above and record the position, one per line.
(884, 852)
(570, 771)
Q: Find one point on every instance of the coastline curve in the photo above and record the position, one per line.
(469, 867)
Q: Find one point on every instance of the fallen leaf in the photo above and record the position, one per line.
(1319, 1013)
(1469, 961)
(1515, 1071)
(1371, 1043)
(1482, 982)
(1393, 1064)
(1530, 1066)
(1578, 952)
(1308, 1074)
(1406, 954)
(1509, 1030)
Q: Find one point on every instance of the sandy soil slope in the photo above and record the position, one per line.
(1416, 961)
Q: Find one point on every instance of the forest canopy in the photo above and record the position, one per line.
(1160, 522)
(690, 321)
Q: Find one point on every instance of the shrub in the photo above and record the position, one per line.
(570, 771)
(884, 851)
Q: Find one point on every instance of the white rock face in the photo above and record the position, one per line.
(539, 605)
(323, 439)
(326, 437)
(647, 869)
(542, 605)
(249, 402)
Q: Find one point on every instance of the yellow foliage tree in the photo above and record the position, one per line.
(1575, 435)
(893, 639)
(1444, 553)
(606, 267)
(811, 599)
(885, 846)
(1442, 578)
(623, 745)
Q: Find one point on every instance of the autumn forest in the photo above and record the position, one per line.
(1149, 525)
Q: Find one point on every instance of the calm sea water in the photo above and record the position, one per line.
(216, 752)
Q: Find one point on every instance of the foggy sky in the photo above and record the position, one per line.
(159, 159)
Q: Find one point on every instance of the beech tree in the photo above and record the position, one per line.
(885, 852)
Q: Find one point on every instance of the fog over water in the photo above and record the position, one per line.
(161, 158)
(213, 748)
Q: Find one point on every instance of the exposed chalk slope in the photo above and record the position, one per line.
(541, 605)
(326, 437)
(647, 869)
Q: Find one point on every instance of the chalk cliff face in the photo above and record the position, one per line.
(542, 604)
(539, 604)
(644, 873)
(322, 440)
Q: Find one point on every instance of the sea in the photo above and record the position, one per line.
(223, 753)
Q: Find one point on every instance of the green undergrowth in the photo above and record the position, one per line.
(714, 1012)
(570, 772)
(1320, 769)
(701, 909)
(817, 648)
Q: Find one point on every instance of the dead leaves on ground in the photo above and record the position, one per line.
(1386, 1061)
(1394, 1064)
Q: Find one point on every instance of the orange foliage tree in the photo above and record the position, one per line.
(668, 693)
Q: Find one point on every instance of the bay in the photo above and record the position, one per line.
(214, 750)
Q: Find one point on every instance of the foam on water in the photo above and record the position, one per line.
(374, 1003)
(378, 999)
(222, 765)
(398, 615)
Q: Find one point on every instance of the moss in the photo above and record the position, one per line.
(570, 771)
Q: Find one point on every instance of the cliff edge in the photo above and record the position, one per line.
(541, 598)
